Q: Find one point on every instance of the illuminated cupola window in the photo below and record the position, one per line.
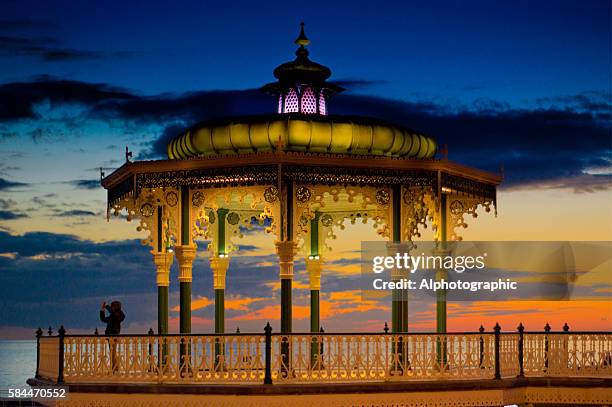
(302, 86)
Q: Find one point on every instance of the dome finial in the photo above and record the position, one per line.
(302, 40)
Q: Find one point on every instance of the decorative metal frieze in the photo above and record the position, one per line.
(172, 198)
(216, 177)
(418, 206)
(459, 205)
(468, 186)
(248, 207)
(382, 197)
(120, 191)
(359, 176)
(303, 194)
(336, 204)
(233, 218)
(145, 208)
(197, 199)
(271, 194)
(327, 220)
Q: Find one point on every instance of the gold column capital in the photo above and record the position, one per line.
(185, 255)
(313, 266)
(219, 266)
(286, 254)
(163, 261)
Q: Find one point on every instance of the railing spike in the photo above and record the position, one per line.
(520, 327)
(237, 329)
(547, 327)
(50, 331)
(39, 333)
(61, 331)
(481, 329)
(386, 328)
(566, 327)
(151, 332)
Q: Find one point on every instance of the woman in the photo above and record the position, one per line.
(113, 327)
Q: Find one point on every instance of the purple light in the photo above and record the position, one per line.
(322, 107)
(291, 101)
(309, 101)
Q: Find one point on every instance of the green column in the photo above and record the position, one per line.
(162, 310)
(220, 293)
(441, 294)
(286, 283)
(185, 286)
(162, 291)
(315, 322)
(399, 302)
(185, 307)
(286, 305)
(441, 347)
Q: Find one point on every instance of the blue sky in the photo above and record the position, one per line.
(522, 84)
(515, 52)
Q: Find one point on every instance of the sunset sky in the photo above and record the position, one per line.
(522, 85)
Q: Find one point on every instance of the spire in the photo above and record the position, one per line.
(301, 85)
(302, 40)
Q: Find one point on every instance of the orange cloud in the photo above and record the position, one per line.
(198, 303)
(296, 285)
(241, 303)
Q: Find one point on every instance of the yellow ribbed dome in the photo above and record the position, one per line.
(321, 134)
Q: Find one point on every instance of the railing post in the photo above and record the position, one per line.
(497, 330)
(321, 346)
(151, 333)
(547, 330)
(268, 354)
(521, 330)
(386, 328)
(566, 355)
(481, 345)
(60, 374)
(39, 333)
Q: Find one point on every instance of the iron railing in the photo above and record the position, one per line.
(321, 357)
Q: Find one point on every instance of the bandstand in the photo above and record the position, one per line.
(302, 172)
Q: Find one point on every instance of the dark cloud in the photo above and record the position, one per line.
(75, 213)
(86, 183)
(158, 148)
(18, 99)
(10, 215)
(25, 24)
(44, 49)
(7, 203)
(6, 184)
(559, 138)
(357, 83)
(53, 279)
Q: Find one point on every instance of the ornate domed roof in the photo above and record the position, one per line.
(301, 133)
(301, 71)
(302, 123)
(302, 68)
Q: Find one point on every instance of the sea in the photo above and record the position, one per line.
(17, 363)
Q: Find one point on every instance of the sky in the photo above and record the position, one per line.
(521, 85)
